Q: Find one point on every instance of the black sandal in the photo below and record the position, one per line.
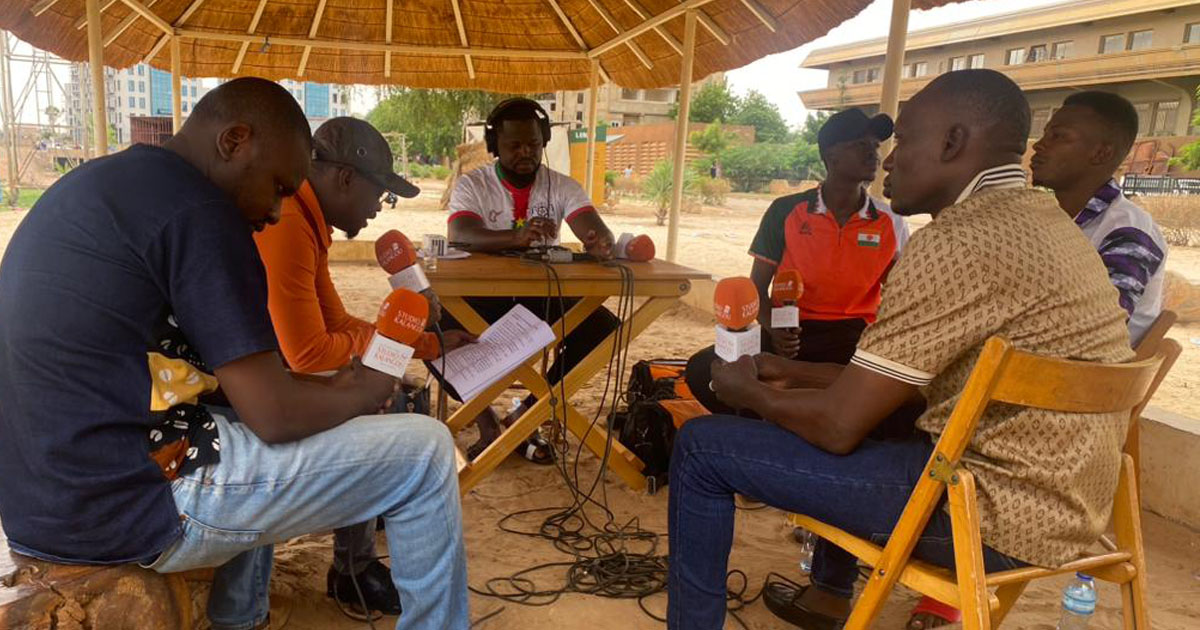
(535, 449)
(783, 599)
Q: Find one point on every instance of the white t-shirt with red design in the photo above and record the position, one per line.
(501, 206)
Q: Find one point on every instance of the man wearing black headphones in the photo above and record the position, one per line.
(515, 203)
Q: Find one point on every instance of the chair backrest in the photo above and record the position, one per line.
(1148, 346)
(1004, 374)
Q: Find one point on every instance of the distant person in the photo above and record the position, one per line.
(351, 172)
(998, 259)
(145, 413)
(1084, 143)
(842, 240)
(513, 204)
(629, 172)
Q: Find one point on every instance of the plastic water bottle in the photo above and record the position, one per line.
(1079, 602)
(807, 544)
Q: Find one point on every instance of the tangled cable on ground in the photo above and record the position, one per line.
(606, 559)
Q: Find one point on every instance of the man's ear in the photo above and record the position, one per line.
(1104, 154)
(233, 138)
(345, 177)
(955, 142)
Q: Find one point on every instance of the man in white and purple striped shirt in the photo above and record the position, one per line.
(1081, 147)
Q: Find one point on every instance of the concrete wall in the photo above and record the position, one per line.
(1170, 478)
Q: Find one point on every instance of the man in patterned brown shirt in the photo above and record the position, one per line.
(998, 259)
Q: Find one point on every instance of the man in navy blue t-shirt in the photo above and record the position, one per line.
(132, 296)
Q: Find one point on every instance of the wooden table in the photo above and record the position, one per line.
(662, 284)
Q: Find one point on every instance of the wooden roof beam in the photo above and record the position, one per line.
(612, 23)
(133, 16)
(241, 56)
(162, 41)
(762, 14)
(81, 23)
(151, 17)
(562, 17)
(713, 29)
(41, 7)
(462, 38)
(647, 25)
(387, 38)
(666, 37)
(312, 32)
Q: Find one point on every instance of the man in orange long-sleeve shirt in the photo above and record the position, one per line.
(351, 172)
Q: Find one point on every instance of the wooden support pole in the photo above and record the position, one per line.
(681, 131)
(11, 134)
(176, 87)
(893, 64)
(96, 63)
(590, 186)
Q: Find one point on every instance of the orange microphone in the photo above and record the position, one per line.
(735, 303)
(398, 257)
(785, 292)
(401, 321)
(635, 248)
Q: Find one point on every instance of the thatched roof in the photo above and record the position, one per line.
(508, 45)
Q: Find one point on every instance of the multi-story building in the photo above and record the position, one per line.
(145, 91)
(136, 91)
(616, 105)
(1145, 50)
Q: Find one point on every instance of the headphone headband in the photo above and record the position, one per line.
(490, 132)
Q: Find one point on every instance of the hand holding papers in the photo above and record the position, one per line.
(505, 345)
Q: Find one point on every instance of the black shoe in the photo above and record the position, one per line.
(375, 584)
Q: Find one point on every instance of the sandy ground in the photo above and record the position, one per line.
(715, 241)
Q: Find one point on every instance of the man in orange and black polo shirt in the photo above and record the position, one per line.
(841, 240)
(351, 172)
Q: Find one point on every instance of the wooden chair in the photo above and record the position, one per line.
(1003, 374)
(1146, 348)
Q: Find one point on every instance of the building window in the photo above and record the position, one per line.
(958, 63)
(141, 69)
(141, 102)
(1063, 50)
(976, 61)
(920, 69)
(132, 102)
(1037, 53)
(579, 116)
(628, 94)
(141, 87)
(1112, 43)
(1141, 40)
(908, 71)
(1165, 114)
(1016, 57)
(1039, 120)
(859, 76)
(185, 108)
(657, 96)
(1191, 34)
(1143, 114)
(553, 106)
(579, 99)
(872, 75)
(193, 91)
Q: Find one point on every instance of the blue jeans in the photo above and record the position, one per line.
(862, 493)
(401, 466)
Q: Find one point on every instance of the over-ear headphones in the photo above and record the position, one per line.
(490, 134)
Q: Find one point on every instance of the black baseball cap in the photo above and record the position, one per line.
(355, 143)
(851, 124)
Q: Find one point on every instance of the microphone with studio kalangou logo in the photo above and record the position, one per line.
(398, 257)
(401, 321)
(735, 304)
(786, 290)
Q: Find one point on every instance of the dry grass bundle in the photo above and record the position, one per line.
(1177, 215)
(429, 45)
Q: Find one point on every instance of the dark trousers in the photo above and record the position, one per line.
(590, 333)
(862, 493)
(820, 342)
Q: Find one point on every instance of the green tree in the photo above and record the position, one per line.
(713, 139)
(812, 126)
(805, 160)
(712, 102)
(751, 167)
(659, 185)
(758, 112)
(1188, 155)
(431, 119)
